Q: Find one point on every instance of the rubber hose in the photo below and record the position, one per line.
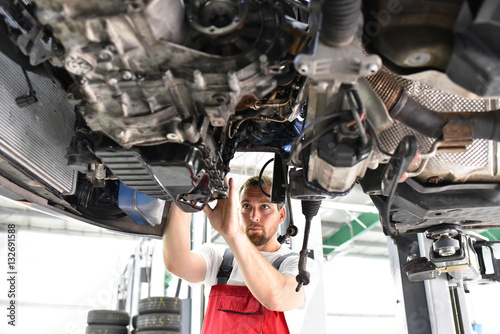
(485, 125)
(418, 117)
(340, 21)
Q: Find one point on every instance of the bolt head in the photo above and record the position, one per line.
(303, 68)
(218, 122)
(172, 136)
(104, 56)
(447, 251)
(127, 75)
(446, 246)
(372, 68)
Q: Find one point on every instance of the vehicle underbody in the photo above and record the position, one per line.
(134, 104)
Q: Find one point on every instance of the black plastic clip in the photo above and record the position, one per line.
(27, 99)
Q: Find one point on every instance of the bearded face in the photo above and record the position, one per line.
(260, 217)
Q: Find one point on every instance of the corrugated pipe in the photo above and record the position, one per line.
(484, 125)
(340, 19)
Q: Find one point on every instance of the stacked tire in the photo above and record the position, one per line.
(107, 322)
(160, 315)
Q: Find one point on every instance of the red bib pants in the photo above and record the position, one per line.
(234, 310)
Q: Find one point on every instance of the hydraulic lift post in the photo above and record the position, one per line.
(431, 306)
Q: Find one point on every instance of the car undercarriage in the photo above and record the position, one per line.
(126, 106)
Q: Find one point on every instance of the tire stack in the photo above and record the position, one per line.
(162, 315)
(107, 322)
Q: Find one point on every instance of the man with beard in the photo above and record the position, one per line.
(253, 282)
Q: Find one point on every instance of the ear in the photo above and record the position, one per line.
(282, 214)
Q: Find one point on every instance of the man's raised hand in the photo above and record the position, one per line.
(224, 216)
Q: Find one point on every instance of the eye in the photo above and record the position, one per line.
(265, 207)
(245, 206)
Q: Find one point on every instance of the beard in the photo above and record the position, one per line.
(261, 238)
(258, 239)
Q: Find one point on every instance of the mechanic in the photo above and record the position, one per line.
(257, 297)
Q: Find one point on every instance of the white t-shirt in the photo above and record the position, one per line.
(213, 255)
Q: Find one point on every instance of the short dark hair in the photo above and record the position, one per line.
(253, 182)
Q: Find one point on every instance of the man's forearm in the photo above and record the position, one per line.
(269, 286)
(177, 254)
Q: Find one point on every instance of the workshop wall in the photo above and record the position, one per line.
(62, 277)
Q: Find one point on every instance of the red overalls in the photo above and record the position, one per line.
(234, 310)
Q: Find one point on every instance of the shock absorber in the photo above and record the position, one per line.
(310, 209)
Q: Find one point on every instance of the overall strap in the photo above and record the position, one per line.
(226, 267)
(277, 263)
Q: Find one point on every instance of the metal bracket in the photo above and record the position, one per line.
(457, 134)
(343, 64)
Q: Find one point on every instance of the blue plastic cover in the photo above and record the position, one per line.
(143, 210)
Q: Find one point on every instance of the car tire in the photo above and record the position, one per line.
(134, 321)
(158, 321)
(159, 305)
(106, 329)
(108, 317)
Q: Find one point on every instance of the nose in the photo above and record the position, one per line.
(254, 215)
